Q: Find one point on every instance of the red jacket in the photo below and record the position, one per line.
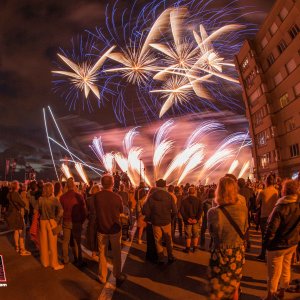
(74, 207)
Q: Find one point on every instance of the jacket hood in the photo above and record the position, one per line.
(287, 199)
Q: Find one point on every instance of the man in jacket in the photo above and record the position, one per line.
(108, 207)
(191, 211)
(159, 209)
(281, 238)
(74, 215)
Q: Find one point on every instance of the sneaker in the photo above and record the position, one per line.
(58, 267)
(186, 250)
(120, 279)
(140, 242)
(25, 253)
(17, 249)
(171, 260)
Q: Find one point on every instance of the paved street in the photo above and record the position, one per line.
(185, 279)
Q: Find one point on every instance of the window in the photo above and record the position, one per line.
(291, 65)
(277, 156)
(259, 115)
(273, 131)
(245, 64)
(254, 96)
(281, 46)
(283, 13)
(262, 138)
(297, 89)
(273, 28)
(278, 78)
(264, 42)
(270, 59)
(265, 160)
(294, 150)
(290, 124)
(250, 79)
(284, 100)
(294, 30)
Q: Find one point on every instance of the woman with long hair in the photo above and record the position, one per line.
(227, 224)
(15, 218)
(51, 213)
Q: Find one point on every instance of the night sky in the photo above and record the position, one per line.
(31, 33)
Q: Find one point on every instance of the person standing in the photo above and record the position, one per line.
(266, 200)
(281, 239)
(227, 224)
(108, 207)
(207, 205)
(51, 213)
(191, 211)
(15, 218)
(159, 209)
(179, 197)
(74, 215)
(91, 231)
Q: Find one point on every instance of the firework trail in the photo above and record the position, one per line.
(107, 159)
(162, 145)
(66, 171)
(233, 166)
(192, 164)
(81, 173)
(182, 158)
(136, 164)
(245, 167)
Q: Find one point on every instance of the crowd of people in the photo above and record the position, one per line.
(226, 210)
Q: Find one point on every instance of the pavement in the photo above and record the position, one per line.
(184, 279)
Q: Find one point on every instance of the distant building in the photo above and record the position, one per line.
(269, 73)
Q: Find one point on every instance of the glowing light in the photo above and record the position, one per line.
(66, 171)
(245, 167)
(107, 159)
(233, 166)
(162, 146)
(49, 144)
(176, 90)
(182, 158)
(81, 173)
(84, 76)
(192, 164)
(136, 164)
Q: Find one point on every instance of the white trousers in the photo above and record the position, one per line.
(279, 268)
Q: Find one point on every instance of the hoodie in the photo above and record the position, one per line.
(282, 231)
(159, 208)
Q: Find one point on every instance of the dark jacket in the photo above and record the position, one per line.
(191, 208)
(207, 205)
(282, 230)
(159, 208)
(14, 216)
(74, 207)
(108, 207)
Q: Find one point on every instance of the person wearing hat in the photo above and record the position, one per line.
(159, 209)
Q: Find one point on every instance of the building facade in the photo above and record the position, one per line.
(269, 73)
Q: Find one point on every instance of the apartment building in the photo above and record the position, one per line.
(269, 72)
